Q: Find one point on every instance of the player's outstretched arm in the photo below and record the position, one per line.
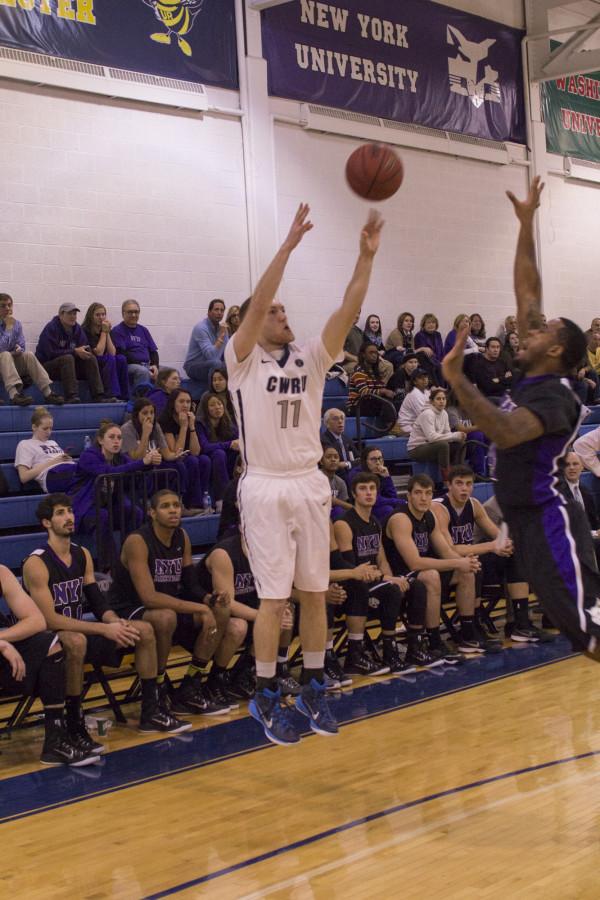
(505, 429)
(248, 333)
(340, 323)
(528, 285)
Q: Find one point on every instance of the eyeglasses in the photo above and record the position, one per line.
(376, 459)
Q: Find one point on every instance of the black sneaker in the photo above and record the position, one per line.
(21, 399)
(527, 633)
(216, 689)
(419, 655)
(54, 399)
(164, 695)
(73, 399)
(155, 719)
(80, 737)
(241, 685)
(288, 686)
(362, 663)
(471, 646)
(334, 670)
(395, 662)
(59, 751)
(190, 698)
(448, 656)
(489, 644)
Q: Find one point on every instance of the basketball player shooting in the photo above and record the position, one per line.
(284, 500)
(532, 431)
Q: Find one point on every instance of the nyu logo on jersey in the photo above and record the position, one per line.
(244, 584)
(283, 385)
(421, 539)
(67, 593)
(464, 69)
(367, 544)
(462, 534)
(166, 570)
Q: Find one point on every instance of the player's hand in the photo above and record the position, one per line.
(221, 600)
(371, 233)
(14, 659)
(525, 209)
(335, 594)
(505, 549)
(123, 633)
(452, 363)
(299, 227)
(366, 572)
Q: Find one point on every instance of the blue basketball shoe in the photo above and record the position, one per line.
(312, 703)
(266, 707)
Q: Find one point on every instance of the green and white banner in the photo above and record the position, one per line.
(571, 110)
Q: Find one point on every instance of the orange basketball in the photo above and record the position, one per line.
(374, 172)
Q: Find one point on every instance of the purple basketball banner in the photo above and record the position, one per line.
(416, 61)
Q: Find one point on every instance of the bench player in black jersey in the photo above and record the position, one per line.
(358, 535)
(60, 579)
(226, 570)
(155, 581)
(414, 543)
(532, 432)
(32, 662)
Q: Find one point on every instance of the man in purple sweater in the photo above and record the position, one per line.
(135, 343)
(64, 352)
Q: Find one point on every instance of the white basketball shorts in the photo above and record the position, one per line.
(285, 523)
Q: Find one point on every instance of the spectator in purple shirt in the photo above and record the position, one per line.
(135, 343)
(17, 363)
(430, 347)
(64, 351)
(218, 438)
(113, 367)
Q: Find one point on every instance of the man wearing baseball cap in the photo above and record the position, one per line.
(64, 352)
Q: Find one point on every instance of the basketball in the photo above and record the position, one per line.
(374, 172)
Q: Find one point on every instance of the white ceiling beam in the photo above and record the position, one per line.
(257, 5)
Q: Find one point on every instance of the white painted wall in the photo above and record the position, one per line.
(448, 244)
(103, 201)
(509, 12)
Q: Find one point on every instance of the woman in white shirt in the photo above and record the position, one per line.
(431, 439)
(42, 460)
(414, 402)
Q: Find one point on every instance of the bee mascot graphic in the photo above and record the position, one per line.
(177, 18)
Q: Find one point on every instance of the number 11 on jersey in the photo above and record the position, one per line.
(285, 406)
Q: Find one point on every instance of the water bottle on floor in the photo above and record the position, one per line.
(206, 503)
(87, 442)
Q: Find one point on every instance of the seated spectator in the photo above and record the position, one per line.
(373, 463)
(401, 339)
(477, 444)
(431, 439)
(64, 351)
(430, 347)
(60, 578)
(113, 367)
(232, 320)
(478, 330)
(587, 448)
(585, 384)
(358, 536)
(490, 372)
(470, 346)
(400, 382)
(219, 439)
(39, 459)
(415, 401)
(217, 385)
(136, 344)
(339, 492)
(571, 468)
(155, 578)
(178, 423)
(32, 664)
(229, 519)
(366, 386)
(17, 363)
(510, 350)
(509, 325)
(105, 457)
(372, 332)
(167, 381)
(332, 435)
(354, 341)
(414, 542)
(207, 343)
(143, 434)
(594, 327)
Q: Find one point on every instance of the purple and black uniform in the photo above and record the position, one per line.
(553, 545)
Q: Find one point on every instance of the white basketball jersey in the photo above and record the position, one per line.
(278, 405)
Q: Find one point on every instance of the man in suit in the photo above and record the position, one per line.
(333, 435)
(572, 489)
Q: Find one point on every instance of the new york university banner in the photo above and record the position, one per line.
(414, 61)
(189, 39)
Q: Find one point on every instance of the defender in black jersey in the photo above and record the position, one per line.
(32, 663)
(532, 431)
(358, 535)
(60, 579)
(155, 580)
(414, 543)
